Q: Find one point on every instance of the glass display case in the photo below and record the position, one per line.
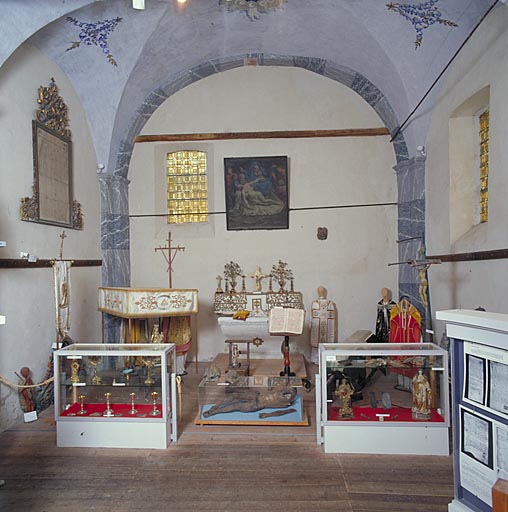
(233, 399)
(115, 395)
(389, 398)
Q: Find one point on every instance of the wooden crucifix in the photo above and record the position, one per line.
(170, 256)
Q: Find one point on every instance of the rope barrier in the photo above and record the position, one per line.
(25, 386)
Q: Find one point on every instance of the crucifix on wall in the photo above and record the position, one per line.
(170, 256)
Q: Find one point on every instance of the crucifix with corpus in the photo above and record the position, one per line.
(170, 256)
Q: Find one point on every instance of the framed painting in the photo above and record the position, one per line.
(256, 192)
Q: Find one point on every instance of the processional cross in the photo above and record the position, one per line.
(63, 236)
(170, 256)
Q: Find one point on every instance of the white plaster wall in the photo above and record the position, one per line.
(26, 295)
(352, 263)
(483, 62)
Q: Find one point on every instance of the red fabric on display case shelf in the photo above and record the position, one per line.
(123, 409)
(396, 414)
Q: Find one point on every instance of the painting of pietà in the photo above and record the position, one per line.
(256, 192)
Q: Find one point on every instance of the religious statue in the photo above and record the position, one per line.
(257, 276)
(384, 307)
(422, 397)
(157, 336)
(247, 400)
(344, 392)
(405, 323)
(323, 323)
(26, 395)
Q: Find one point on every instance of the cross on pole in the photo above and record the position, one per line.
(62, 236)
(170, 256)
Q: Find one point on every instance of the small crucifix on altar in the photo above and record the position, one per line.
(170, 256)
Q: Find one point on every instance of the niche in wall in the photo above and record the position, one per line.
(464, 160)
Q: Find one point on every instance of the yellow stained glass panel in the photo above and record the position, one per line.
(187, 187)
(484, 166)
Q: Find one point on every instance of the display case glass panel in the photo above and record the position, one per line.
(100, 385)
(251, 400)
(378, 385)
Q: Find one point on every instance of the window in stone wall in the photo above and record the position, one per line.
(187, 189)
(484, 119)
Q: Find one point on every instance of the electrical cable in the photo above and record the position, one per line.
(304, 208)
(400, 128)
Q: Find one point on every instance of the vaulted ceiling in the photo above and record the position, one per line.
(116, 56)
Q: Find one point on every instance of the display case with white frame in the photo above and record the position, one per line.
(115, 395)
(479, 361)
(381, 414)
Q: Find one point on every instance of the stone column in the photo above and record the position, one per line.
(115, 242)
(411, 223)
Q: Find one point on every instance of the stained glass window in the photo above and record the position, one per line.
(187, 187)
(484, 166)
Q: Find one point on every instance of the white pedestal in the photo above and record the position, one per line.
(386, 439)
(113, 433)
(456, 506)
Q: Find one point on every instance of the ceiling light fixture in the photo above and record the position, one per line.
(138, 4)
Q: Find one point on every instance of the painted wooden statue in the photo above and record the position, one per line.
(323, 323)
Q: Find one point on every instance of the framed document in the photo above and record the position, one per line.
(52, 200)
(52, 154)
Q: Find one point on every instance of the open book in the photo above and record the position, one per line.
(286, 321)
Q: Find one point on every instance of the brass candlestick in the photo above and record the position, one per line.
(109, 411)
(82, 409)
(133, 409)
(154, 411)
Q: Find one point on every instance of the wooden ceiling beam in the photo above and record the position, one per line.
(289, 134)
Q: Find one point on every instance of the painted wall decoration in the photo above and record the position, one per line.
(256, 192)
(95, 34)
(421, 15)
(253, 8)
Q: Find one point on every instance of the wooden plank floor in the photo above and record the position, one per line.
(214, 468)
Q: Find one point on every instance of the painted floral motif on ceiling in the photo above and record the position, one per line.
(95, 34)
(253, 8)
(421, 15)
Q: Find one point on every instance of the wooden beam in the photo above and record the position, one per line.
(24, 263)
(291, 134)
(496, 254)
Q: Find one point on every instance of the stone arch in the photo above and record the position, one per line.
(346, 76)
(115, 236)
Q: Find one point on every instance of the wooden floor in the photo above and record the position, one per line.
(214, 468)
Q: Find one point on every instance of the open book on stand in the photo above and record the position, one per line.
(286, 321)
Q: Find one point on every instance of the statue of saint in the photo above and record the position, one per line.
(26, 395)
(157, 336)
(323, 323)
(384, 307)
(422, 397)
(344, 392)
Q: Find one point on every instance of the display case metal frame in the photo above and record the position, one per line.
(382, 437)
(116, 432)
